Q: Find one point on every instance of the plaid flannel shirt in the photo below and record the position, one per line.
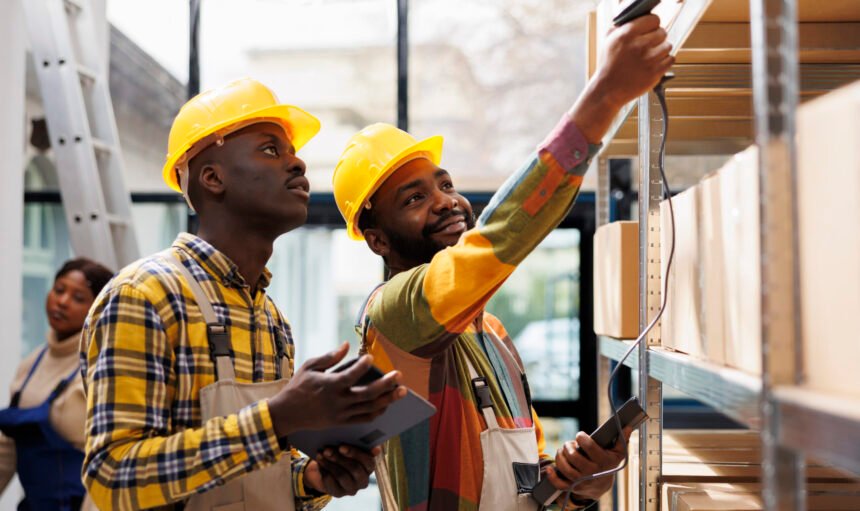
(145, 357)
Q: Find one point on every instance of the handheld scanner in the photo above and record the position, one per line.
(634, 9)
(630, 414)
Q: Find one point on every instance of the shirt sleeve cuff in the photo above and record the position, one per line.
(299, 489)
(258, 433)
(312, 498)
(568, 146)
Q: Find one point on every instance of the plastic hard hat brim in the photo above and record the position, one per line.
(431, 146)
(300, 125)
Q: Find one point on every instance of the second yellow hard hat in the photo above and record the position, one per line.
(227, 109)
(370, 157)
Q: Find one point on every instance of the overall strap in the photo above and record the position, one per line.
(16, 397)
(281, 353)
(63, 384)
(362, 321)
(383, 475)
(523, 379)
(216, 332)
(481, 392)
(505, 349)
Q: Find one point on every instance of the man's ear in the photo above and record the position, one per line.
(377, 241)
(211, 179)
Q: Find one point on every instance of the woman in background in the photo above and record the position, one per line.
(43, 429)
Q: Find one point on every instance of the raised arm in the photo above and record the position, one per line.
(425, 308)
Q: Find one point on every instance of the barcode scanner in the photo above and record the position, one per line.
(634, 9)
(629, 415)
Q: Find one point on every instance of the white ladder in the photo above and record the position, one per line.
(73, 78)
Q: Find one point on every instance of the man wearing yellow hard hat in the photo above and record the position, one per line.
(188, 363)
(483, 450)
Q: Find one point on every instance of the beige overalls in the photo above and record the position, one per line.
(505, 451)
(268, 488)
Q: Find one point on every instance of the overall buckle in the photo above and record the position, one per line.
(482, 392)
(219, 342)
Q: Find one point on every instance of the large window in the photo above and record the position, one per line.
(539, 306)
(493, 77)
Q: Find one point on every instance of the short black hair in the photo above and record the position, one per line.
(96, 274)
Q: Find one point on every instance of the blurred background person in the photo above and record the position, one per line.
(42, 437)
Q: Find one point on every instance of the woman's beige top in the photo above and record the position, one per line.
(68, 412)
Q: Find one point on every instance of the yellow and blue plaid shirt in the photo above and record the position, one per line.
(145, 357)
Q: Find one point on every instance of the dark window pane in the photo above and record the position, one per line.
(539, 306)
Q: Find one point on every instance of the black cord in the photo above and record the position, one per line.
(660, 92)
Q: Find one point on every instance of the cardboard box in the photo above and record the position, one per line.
(633, 473)
(819, 43)
(616, 280)
(591, 36)
(807, 10)
(680, 327)
(748, 497)
(828, 189)
(741, 256)
(622, 483)
(710, 457)
(713, 269)
(687, 439)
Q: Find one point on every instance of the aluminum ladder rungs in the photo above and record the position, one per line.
(87, 74)
(73, 6)
(102, 147)
(116, 220)
(79, 106)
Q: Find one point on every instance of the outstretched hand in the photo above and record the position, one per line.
(634, 59)
(317, 399)
(572, 464)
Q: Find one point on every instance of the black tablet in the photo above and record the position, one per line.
(400, 416)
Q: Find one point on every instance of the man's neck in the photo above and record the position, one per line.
(395, 265)
(249, 250)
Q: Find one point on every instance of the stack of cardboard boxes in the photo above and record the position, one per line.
(714, 295)
(713, 310)
(714, 303)
(721, 470)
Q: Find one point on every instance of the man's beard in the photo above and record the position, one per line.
(420, 250)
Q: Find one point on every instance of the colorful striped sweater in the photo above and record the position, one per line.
(428, 321)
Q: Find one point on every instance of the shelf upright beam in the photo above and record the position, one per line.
(650, 389)
(602, 204)
(603, 364)
(775, 98)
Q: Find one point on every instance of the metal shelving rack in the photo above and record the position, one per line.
(793, 422)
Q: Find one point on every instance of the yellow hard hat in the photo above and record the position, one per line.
(372, 155)
(227, 109)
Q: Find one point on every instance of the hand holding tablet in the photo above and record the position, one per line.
(401, 415)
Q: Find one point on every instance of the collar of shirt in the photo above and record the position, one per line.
(216, 263)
